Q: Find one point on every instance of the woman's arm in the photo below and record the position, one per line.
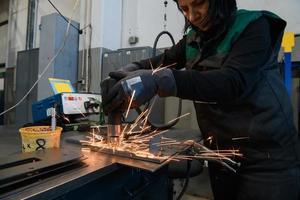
(238, 73)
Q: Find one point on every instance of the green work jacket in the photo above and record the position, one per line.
(260, 122)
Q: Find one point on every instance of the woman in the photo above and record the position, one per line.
(232, 75)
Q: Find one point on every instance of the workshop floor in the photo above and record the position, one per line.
(199, 188)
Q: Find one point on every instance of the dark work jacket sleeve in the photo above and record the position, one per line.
(174, 56)
(238, 72)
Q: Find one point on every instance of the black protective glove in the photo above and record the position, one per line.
(145, 83)
(130, 67)
(106, 85)
(124, 71)
(110, 81)
(117, 75)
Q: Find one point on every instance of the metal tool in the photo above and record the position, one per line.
(114, 128)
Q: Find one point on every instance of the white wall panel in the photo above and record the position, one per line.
(287, 9)
(96, 23)
(3, 43)
(106, 21)
(130, 21)
(145, 19)
(111, 24)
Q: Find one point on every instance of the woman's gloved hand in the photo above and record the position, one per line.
(145, 83)
(109, 82)
(118, 75)
(106, 85)
(130, 67)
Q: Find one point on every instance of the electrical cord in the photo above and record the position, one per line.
(187, 179)
(47, 66)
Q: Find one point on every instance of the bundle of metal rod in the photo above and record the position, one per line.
(138, 145)
(203, 153)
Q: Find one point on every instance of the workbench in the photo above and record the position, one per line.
(96, 176)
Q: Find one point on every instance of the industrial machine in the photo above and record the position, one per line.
(69, 107)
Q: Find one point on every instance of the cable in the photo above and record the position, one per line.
(187, 179)
(79, 30)
(158, 37)
(47, 66)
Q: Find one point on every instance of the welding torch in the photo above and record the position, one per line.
(114, 123)
(114, 127)
(112, 88)
(114, 117)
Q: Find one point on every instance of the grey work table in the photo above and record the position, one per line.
(95, 165)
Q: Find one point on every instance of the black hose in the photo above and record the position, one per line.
(187, 179)
(173, 123)
(157, 39)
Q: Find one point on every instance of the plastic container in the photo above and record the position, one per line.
(39, 137)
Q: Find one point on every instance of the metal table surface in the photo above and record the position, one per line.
(96, 165)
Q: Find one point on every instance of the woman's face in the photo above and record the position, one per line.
(196, 12)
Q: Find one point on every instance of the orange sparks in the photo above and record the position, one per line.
(131, 99)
